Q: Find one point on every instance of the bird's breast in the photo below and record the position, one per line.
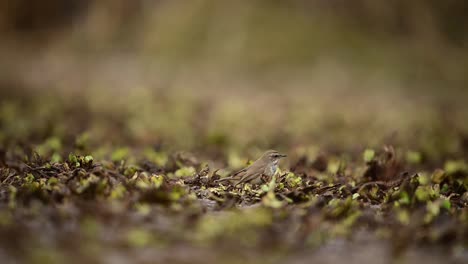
(270, 171)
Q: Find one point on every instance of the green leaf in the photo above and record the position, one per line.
(29, 178)
(130, 170)
(52, 181)
(73, 159)
(120, 154)
(423, 178)
(269, 199)
(159, 158)
(88, 159)
(368, 155)
(438, 176)
(143, 209)
(185, 172)
(403, 216)
(422, 194)
(118, 192)
(139, 237)
(56, 158)
(453, 166)
(446, 204)
(413, 157)
(54, 143)
(333, 166)
(404, 198)
(157, 180)
(82, 140)
(293, 180)
(433, 208)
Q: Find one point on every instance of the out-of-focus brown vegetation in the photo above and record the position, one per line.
(26, 17)
(398, 18)
(393, 63)
(421, 43)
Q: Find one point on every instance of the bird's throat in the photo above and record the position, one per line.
(273, 169)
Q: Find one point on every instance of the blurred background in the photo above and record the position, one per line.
(194, 74)
(109, 108)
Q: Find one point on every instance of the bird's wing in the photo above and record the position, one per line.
(249, 175)
(239, 172)
(253, 171)
(224, 179)
(234, 175)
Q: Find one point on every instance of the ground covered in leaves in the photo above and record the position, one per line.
(80, 184)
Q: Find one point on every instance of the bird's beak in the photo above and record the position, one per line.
(283, 155)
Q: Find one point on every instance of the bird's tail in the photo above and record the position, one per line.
(224, 179)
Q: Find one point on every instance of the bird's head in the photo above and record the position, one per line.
(272, 156)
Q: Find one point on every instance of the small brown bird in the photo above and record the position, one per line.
(266, 165)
